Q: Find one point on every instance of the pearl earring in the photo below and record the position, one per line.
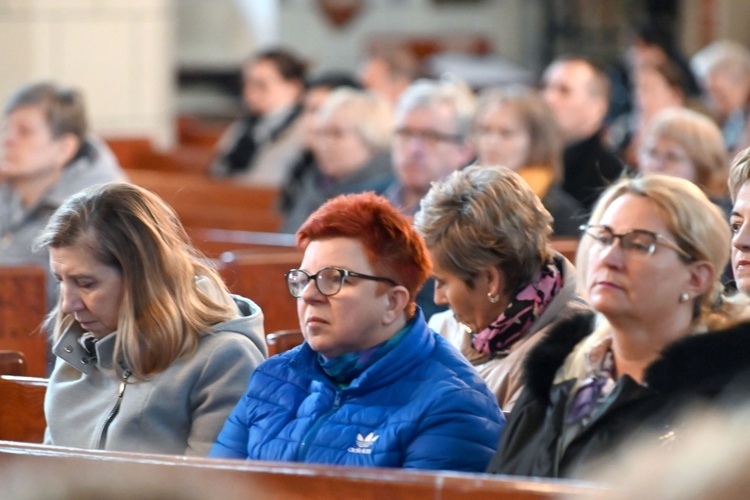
(684, 297)
(493, 298)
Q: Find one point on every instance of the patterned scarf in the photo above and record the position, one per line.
(593, 390)
(522, 311)
(345, 368)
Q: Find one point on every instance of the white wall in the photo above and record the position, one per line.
(118, 52)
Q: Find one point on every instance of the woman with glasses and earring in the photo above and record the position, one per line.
(487, 234)
(372, 385)
(649, 262)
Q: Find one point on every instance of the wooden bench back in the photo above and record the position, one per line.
(22, 408)
(210, 203)
(259, 276)
(154, 476)
(23, 292)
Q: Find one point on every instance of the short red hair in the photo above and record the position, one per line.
(392, 246)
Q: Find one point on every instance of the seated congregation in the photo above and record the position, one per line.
(440, 329)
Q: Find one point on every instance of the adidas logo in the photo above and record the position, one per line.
(364, 444)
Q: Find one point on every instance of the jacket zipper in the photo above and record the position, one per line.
(101, 442)
(310, 435)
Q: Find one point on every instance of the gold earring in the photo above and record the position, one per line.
(493, 298)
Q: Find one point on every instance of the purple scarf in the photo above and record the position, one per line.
(522, 310)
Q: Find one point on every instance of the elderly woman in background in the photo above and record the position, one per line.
(487, 234)
(152, 352)
(371, 385)
(47, 154)
(687, 144)
(649, 262)
(352, 149)
(514, 128)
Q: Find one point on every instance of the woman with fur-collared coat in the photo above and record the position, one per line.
(650, 263)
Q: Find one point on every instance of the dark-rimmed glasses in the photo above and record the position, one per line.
(430, 137)
(328, 280)
(636, 240)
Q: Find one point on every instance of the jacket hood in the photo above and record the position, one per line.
(249, 323)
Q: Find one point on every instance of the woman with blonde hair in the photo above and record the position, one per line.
(351, 145)
(649, 265)
(687, 144)
(488, 236)
(152, 351)
(514, 128)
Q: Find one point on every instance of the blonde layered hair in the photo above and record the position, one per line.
(702, 141)
(485, 216)
(698, 226)
(163, 311)
(739, 173)
(370, 116)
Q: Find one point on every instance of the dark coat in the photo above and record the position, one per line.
(695, 369)
(589, 166)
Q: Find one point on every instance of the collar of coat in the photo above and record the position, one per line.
(701, 364)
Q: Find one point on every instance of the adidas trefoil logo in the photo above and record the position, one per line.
(364, 444)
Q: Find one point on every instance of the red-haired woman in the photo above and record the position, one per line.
(372, 385)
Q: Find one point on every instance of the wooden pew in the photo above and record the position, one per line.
(283, 340)
(259, 276)
(23, 307)
(214, 242)
(45, 470)
(202, 202)
(566, 245)
(22, 408)
(13, 363)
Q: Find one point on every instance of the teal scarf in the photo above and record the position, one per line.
(345, 368)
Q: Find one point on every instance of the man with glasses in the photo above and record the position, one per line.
(372, 385)
(431, 139)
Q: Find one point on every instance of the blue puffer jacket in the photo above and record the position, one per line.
(421, 406)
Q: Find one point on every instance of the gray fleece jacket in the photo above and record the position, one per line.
(178, 411)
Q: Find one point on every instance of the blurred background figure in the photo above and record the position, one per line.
(709, 458)
(514, 128)
(649, 263)
(317, 90)
(431, 138)
(47, 154)
(487, 234)
(687, 144)
(723, 68)
(577, 91)
(390, 73)
(655, 87)
(152, 351)
(351, 145)
(262, 147)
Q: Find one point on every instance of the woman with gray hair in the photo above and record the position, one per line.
(352, 135)
(487, 234)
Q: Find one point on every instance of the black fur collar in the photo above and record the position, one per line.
(704, 363)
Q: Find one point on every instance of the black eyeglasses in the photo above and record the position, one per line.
(637, 240)
(430, 137)
(328, 280)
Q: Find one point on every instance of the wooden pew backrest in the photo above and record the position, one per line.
(22, 408)
(12, 363)
(23, 292)
(259, 276)
(156, 476)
